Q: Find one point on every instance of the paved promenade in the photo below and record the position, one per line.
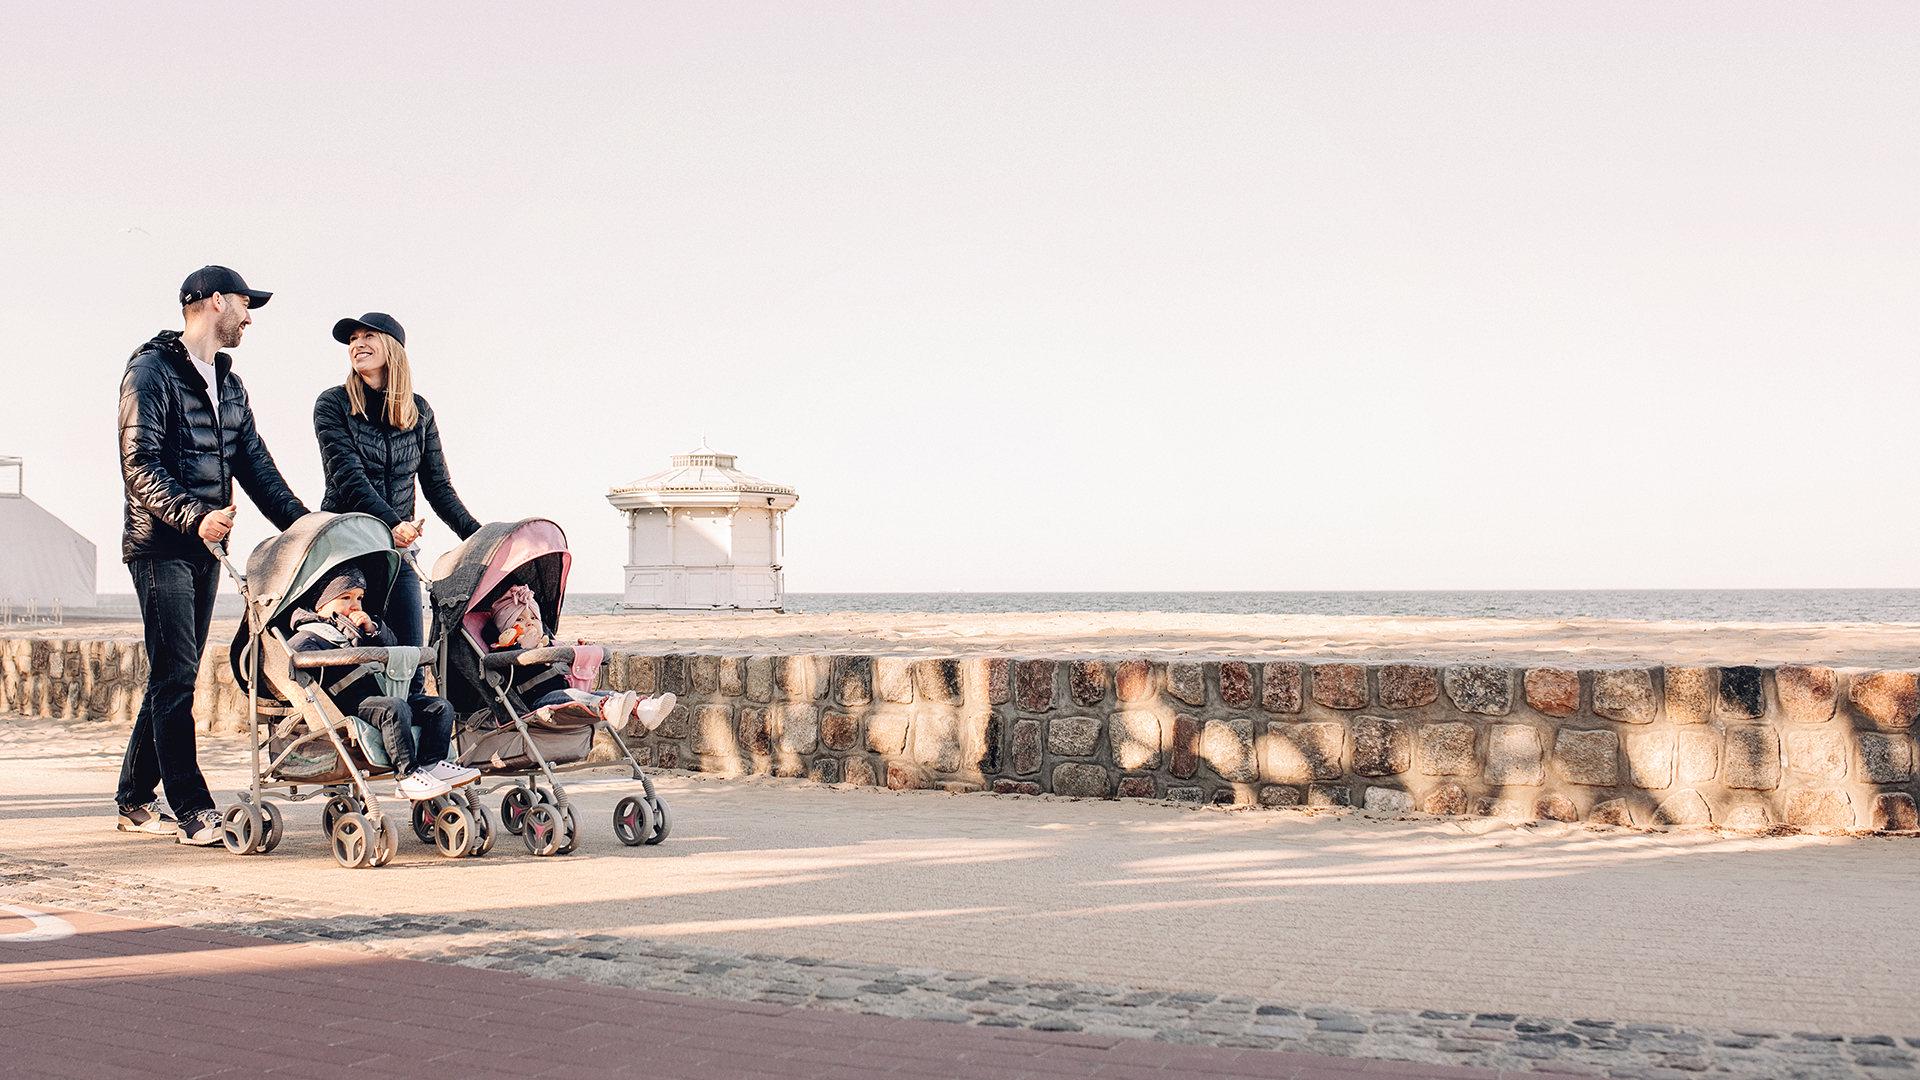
(1457, 943)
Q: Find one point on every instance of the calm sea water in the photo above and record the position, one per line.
(1709, 605)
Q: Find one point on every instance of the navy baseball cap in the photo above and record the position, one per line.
(208, 280)
(372, 320)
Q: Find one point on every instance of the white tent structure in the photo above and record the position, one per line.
(44, 564)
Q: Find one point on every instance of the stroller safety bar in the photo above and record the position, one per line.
(552, 654)
(319, 658)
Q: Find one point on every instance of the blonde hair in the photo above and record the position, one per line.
(401, 411)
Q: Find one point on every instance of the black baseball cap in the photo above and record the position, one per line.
(372, 320)
(208, 280)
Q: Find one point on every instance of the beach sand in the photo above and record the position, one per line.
(1568, 642)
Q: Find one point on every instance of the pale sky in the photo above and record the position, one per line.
(1029, 296)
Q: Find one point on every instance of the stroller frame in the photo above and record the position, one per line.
(360, 833)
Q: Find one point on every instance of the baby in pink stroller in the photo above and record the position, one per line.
(517, 625)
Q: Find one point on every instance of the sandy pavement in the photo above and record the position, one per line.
(1787, 933)
(1568, 642)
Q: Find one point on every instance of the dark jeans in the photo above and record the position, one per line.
(403, 616)
(396, 720)
(176, 603)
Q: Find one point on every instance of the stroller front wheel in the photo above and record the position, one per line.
(424, 820)
(276, 826)
(633, 821)
(513, 809)
(244, 829)
(352, 841)
(543, 830)
(662, 824)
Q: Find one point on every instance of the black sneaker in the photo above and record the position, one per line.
(147, 819)
(201, 830)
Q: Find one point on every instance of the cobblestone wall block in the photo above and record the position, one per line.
(1299, 753)
(1132, 681)
(1023, 754)
(1742, 693)
(1486, 689)
(1625, 695)
(1650, 759)
(1187, 682)
(798, 727)
(1381, 747)
(1587, 757)
(1551, 691)
(1080, 779)
(1807, 694)
(1073, 736)
(1236, 684)
(938, 681)
(1408, 686)
(760, 678)
(893, 679)
(1752, 758)
(1280, 684)
(1696, 756)
(704, 673)
(1819, 808)
(839, 731)
(1886, 759)
(1033, 684)
(1684, 807)
(1448, 800)
(1513, 755)
(1613, 812)
(1690, 695)
(1385, 800)
(852, 679)
(1184, 755)
(1895, 812)
(1087, 682)
(1138, 737)
(1747, 816)
(1227, 746)
(1890, 699)
(941, 739)
(801, 678)
(732, 676)
(999, 679)
(1818, 754)
(1446, 749)
(1339, 686)
(887, 731)
(859, 772)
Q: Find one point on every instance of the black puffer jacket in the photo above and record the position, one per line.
(178, 461)
(371, 465)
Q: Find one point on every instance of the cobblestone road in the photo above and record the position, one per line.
(1615, 954)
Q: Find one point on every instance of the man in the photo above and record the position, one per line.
(186, 433)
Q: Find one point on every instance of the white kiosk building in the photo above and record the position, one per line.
(703, 535)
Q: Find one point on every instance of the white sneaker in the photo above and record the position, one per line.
(421, 785)
(615, 708)
(452, 775)
(653, 711)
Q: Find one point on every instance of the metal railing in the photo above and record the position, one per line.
(16, 613)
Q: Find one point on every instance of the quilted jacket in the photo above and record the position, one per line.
(371, 465)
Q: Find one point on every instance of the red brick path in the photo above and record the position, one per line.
(146, 1002)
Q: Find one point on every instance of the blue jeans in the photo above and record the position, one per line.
(176, 604)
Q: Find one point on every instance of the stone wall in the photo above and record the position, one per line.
(1740, 747)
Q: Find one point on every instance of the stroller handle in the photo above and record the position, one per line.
(319, 658)
(551, 654)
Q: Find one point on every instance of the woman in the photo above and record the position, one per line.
(376, 437)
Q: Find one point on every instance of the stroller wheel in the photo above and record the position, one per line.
(633, 821)
(543, 830)
(276, 825)
(573, 832)
(483, 829)
(453, 832)
(662, 824)
(337, 805)
(244, 829)
(352, 840)
(513, 808)
(423, 821)
(389, 845)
